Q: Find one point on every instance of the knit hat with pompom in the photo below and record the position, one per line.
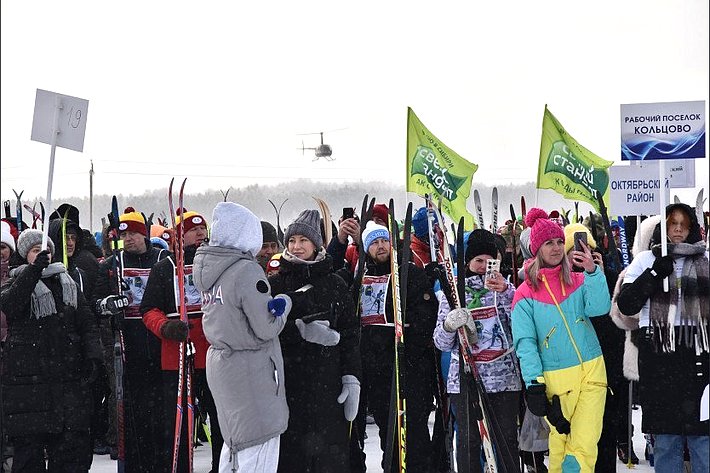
(541, 229)
(132, 221)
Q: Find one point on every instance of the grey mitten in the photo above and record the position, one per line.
(350, 395)
(318, 332)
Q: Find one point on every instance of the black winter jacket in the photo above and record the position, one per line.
(419, 318)
(46, 359)
(142, 347)
(313, 372)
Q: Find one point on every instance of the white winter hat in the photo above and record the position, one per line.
(7, 236)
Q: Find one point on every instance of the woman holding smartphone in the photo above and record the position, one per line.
(560, 357)
(487, 319)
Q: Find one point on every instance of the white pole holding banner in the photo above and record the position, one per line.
(663, 179)
(50, 178)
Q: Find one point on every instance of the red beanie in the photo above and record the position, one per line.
(541, 229)
(382, 212)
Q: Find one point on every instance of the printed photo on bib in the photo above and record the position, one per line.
(135, 279)
(373, 295)
(492, 343)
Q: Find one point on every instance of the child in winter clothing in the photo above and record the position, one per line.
(559, 352)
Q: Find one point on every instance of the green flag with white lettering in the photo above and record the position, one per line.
(569, 168)
(435, 169)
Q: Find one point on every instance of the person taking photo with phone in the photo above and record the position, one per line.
(486, 317)
(560, 357)
(615, 432)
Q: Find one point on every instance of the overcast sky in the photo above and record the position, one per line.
(220, 91)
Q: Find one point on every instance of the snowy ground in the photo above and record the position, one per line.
(103, 464)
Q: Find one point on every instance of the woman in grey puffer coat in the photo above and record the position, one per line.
(242, 323)
(492, 343)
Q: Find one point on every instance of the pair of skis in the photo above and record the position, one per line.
(442, 397)
(119, 359)
(185, 363)
(467, 366)
(494, 209)
(368, 205)
(399, 280)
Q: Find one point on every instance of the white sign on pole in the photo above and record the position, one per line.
(681, 173)
(635, 190)
(665, 130)
(71, 123)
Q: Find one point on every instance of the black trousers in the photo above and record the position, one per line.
(504, 409)
(419, 400)
(66, 452)
(144, 414)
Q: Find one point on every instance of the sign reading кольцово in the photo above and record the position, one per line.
(666, 130)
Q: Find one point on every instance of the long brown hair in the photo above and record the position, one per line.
(537, 263)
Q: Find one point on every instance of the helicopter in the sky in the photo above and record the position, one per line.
(321, 151)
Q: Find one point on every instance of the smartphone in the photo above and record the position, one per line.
(491, 266)
(580, 236)
(348, 212)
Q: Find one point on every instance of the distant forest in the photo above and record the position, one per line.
(299, 195)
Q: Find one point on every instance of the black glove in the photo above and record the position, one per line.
(433, 272)
(175, 330)
(41, 260)
(662, 266)
(91, 372)
(537, 399)
(111, 305)
(556, 418)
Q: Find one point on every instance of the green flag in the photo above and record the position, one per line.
(435, 169)
(569, 168)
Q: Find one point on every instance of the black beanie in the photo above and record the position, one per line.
(269, 232)
(481, 242)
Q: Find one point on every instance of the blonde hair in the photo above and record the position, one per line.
(538, 263)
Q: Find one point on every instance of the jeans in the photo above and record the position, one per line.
(668, 452)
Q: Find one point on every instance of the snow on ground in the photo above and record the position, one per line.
(103, 464)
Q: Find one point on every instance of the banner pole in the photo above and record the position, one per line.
(50, 178)
(664, 232)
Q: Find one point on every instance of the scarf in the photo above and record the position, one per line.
(320, 256)
(42, 299)
(686, 293)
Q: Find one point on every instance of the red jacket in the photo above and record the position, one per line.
(159, 299)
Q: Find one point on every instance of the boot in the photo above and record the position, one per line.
(622, 450)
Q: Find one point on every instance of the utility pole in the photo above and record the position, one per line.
(91, 198)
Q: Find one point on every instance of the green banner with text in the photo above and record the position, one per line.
(435, 169)
(569, 168)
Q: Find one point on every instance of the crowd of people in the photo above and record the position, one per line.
(292, 343)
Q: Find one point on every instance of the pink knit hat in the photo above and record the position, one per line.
(541, 229)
